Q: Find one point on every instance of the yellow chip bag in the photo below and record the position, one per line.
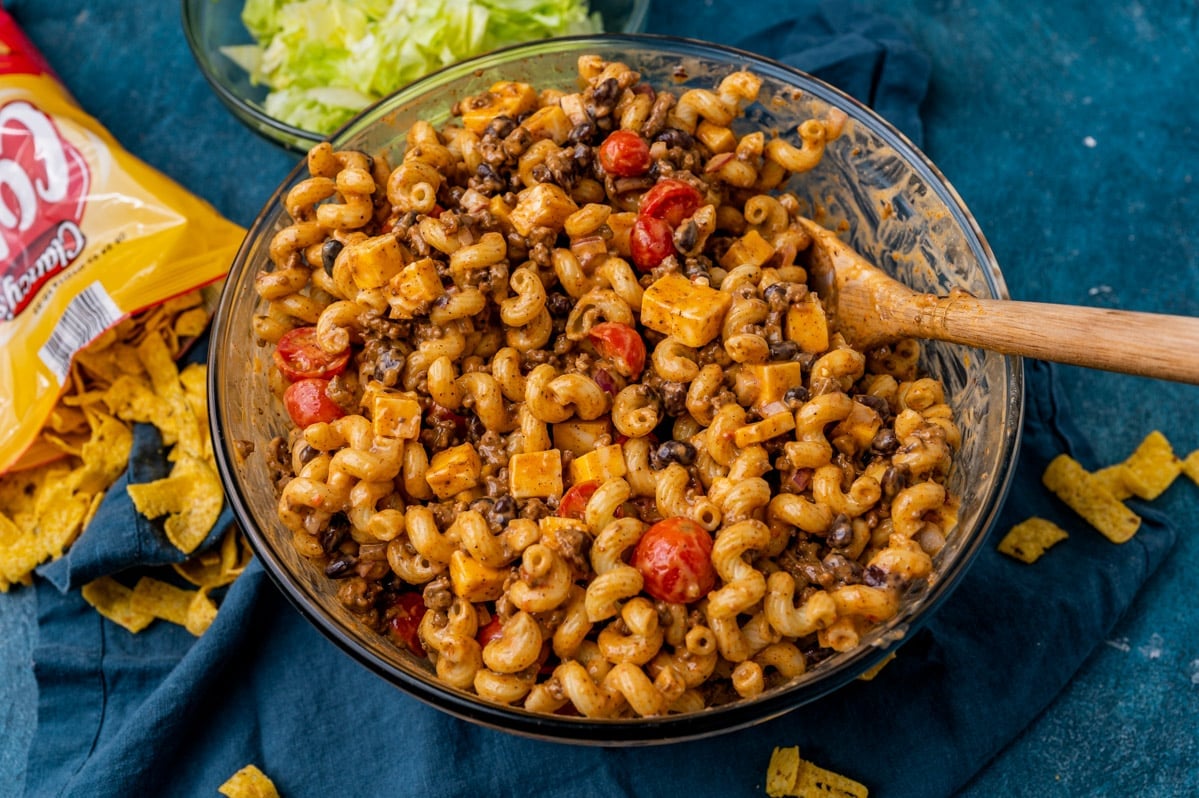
(1075, 486)
(249, 782)
(90, 235)
(1031, 538)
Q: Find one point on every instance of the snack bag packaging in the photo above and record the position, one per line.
(89, 235)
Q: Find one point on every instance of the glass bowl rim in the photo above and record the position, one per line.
(710, 721)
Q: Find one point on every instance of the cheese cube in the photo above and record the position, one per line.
(581, 437)
(687, 311)
(474, 581)
(535, 474)
(807, 325)
(606, 462)
(749, 249)
(859, 427)
(717, 138)
(374, 261)
(415, 287)
(505, 98)
(454, 470)
(541, 205)
(764, 430)
(548, 122)
(396, 416)
(761, 385)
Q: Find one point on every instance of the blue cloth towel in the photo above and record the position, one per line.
(164, 713)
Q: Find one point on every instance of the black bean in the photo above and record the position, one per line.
(894, 480)
(329, 252)
(884, 441)
(500, 127)
(840, 532)
(558, 304)
(581, 133)
(503, 511)
(784, 350)
(795, 396)
(674, 398)
(776, 296)
(679, 452)
(876, 403)
(674, 137)
(340, 568)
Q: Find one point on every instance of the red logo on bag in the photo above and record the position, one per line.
(43, 188)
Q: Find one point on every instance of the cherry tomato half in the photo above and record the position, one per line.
(300, 357)
(674, 557)
(621, 344)
(405, 623)
(490, 631)
(671, 200)
(307, 402)
(651, 241)
(574, 501)
(624, 154)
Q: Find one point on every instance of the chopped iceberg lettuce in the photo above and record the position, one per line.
(325, 60)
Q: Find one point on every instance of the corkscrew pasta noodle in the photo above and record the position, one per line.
(533, 350)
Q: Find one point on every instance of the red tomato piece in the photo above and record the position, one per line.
(405, 623)
(621, 344)
(574, 501)
(492, 630)
(300, 357)
(671, 200)
(674, 557)
(651, 241)
(307, 402)
(624, 154)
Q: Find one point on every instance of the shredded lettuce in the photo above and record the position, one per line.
(325, 60)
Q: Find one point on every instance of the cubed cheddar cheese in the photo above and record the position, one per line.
(750, 249)
(580, 437)
(535, 474)
(415, 286)
(807, 325)
(505, 98)
(541, 205)
(454, 470)
(692, 313)
(374, 261)
(395, 416)
(548, 122)
(474, 581)
(763, 385)
(606, 462)
(764, 430)
(860, 426)
(717, 138)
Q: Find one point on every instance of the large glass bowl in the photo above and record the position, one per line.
(897, 210)
(210, 25)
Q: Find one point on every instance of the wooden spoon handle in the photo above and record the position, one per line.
(1146, 344)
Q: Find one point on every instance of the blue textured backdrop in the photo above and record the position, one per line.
(1069, 131)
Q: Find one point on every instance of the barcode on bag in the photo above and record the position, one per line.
(87, 315)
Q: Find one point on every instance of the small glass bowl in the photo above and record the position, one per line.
(213, 24)
(896, 209)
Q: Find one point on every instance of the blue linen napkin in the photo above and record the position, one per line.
(163, 713)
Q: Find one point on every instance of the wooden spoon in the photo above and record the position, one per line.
(871, 309)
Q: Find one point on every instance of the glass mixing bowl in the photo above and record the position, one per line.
(894, 207)
(210, 25)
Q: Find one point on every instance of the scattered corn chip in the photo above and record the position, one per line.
(789, 775)
(1112, 480)
(1190, 466)
(115, 602)
(201, 612)
(249, 782)
(1152, 468)
(1029, 539)
(869, 674)
(161, 600)
(1077, 488)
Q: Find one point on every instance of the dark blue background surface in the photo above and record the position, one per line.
(1069, 131)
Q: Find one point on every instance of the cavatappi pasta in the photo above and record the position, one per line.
(568, 420)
